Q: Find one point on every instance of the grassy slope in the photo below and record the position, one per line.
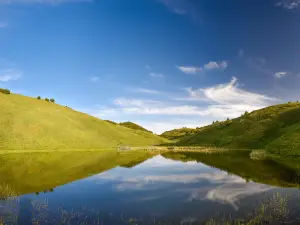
(178, 134)
(28, 123)
(134, 126)
(275, 128)
(36, 172)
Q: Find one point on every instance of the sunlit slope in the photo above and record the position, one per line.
(276, 128)
(28, 123)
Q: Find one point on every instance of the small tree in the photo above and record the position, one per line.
(47, 99)
(52, 100)
(5, 91)
(228, 119)
(246, 113)
(39, 97)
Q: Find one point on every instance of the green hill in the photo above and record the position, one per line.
(177, 134)
(30, 124)
(134, 126)
(275, 128)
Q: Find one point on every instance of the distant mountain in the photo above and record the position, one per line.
(275, 128)
(31, 124)
(134, 126)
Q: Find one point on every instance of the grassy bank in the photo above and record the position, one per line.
(32, 124)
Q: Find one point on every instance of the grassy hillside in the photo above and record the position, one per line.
(134, 126)
(178, 134)
(28, 123)
(275, 128)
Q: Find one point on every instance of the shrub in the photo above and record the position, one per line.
(52, 100)
(39, 97)
(47, 99)
(5, 91)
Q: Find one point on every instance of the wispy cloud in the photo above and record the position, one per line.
(94, 79)
(280, 75)
(147, 91)
(216, 65)
(212, 65)
(230, 93)
(156, 75)
(189, 69)
(10, 75)
(53, 2)
(288, 4)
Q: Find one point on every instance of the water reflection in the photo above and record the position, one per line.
(170, 188)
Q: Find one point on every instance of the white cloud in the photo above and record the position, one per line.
(216, 102)
(94, 79)
(189, 69)
(156, 75)
(280, 74)
(230, 94)
(147, 91)
(288, 4)
(10, 75)
(216, 65)
(212, 65)
(54, 2)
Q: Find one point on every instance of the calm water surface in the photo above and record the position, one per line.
(158, 191)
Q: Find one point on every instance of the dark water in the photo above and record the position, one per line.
(168, 189)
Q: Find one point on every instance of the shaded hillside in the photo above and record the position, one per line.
(134, 126)
(275, 128)
(177, 134)
(28, 123)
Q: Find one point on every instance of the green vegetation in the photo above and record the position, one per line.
(275, 128)
(29, 124)
(52, 100)
(112, 122)
(47, 99)
(37, 172)
(134, 126)
(38, 97)
(178, 134)
(4, 91)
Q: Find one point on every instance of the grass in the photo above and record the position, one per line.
(177, 134)
(275, 129)
(31, 124)
(38, 172)
(134, 126)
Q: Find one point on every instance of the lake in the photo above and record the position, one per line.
(143, 188)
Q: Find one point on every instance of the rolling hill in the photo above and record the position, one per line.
(31, 124)
(275, 128)
(134, 126)
(177, 134)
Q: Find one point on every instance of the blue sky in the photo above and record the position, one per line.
(161, 63)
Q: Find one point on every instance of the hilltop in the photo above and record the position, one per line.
(134, 126)
(275, 128)
(29, 124)
(177, 134)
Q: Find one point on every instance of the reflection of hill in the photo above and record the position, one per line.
(36, 172)
(238, 163)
